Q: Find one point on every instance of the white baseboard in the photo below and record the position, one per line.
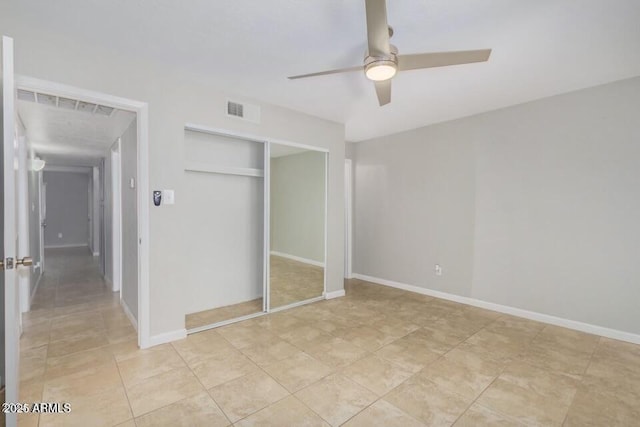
(129, 314)
(299, 259)
(70, 245)
(518, 312)
(112, 285)
(166, 337)
(334, 294)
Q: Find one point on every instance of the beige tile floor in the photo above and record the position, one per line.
(379, 356)
(291, 282)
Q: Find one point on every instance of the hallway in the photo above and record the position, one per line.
(71, 340)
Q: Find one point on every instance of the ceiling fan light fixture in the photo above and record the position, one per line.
(37, 164)
(381, 70)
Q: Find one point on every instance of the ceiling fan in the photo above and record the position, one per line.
(382, 61)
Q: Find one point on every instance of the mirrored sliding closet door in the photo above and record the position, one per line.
(297, 220)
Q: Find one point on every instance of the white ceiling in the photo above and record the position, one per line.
(70, 137)
(540, 48)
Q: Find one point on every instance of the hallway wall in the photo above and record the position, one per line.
(129, 160)
(67, 209)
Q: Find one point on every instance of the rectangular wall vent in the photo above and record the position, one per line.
(235, 109)
(243, 111)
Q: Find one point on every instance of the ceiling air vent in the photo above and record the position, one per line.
(243, 111)
(26, 95)
(87, 107)
(43, 98)
(69, 104)
(104, 110)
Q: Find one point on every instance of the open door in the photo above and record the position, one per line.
(8, 237)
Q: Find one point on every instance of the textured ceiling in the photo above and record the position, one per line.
(64, 136)
(540, 48)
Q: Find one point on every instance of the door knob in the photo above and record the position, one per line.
(26, 261)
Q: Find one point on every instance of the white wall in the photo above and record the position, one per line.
(297, 205)
(176, 97)
(534, 206)
(129, 147)
(67, 209)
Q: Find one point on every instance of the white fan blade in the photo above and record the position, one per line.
(383, 90)
(441, 59)
(324, 73)
(377, 27)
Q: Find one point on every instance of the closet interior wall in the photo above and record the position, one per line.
(224, 193)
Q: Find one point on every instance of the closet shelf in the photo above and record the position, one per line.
(225, 170)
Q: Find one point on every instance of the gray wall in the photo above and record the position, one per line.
(129, 157)
(34, 227)
(534, 206)
(67, 209)
(297, 205)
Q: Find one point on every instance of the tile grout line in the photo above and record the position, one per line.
(593, 352)
(199, 381)
(124, 387)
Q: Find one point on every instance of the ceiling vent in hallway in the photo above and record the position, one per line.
(65, 103)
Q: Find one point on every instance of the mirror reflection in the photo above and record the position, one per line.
(297, 224)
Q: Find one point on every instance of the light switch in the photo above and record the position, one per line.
(132, 183)
(168, 197)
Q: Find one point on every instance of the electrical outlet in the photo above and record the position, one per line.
(59, 235)
(438, 270)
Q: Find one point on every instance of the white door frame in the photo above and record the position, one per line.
(94, 205)
(116, 216)
(11, 302)
(42, 216)
(142, 112)
(348, 219)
